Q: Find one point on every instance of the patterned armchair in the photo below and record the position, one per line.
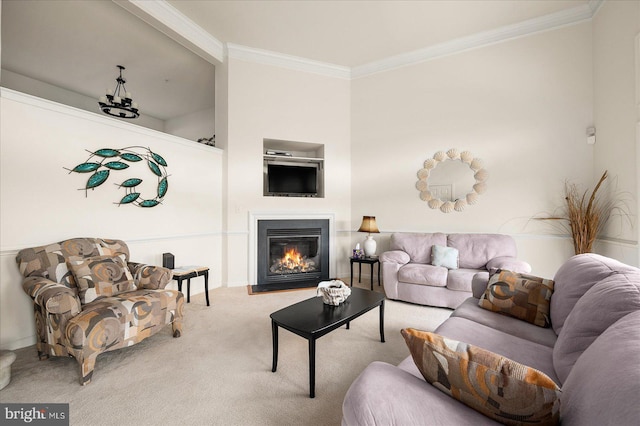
(89, 299)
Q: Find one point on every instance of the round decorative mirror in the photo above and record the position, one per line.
(451, 180)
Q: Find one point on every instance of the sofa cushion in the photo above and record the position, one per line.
(496, 386)
(477, 249)
(101, 276)
(519, 295)
(460, 279)
(517, 348)
(513, 326)
(575, 277)
(417, 246)
(444, 256)
(601, 306)
(125, 319)
(603, 386)
(417, 273)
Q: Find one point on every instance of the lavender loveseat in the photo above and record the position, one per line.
(409, 275)
(591, 350)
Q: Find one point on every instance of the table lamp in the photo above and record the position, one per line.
(369, 225)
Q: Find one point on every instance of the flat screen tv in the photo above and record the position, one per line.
(292, 179)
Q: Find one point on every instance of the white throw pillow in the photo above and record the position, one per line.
(444, 256)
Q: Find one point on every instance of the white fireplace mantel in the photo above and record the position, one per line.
(254, 217)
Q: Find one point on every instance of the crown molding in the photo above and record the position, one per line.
(177, 23)
(167, 15)
(267, 57)
(595, 6)
(544, 23)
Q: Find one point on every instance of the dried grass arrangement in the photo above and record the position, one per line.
(585, 215)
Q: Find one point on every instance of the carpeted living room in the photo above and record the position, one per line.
(400, 181)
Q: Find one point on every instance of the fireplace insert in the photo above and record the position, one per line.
(292, 253)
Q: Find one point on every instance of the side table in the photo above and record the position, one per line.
(372, 260)
(186, 273)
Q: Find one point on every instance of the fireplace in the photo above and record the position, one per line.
(292, 253)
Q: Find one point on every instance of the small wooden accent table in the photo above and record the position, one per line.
(360, 260)
(186, 273)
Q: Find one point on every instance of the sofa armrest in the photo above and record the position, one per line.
(508, 263)
(395, 256)
(55, 298)
(384, 394)
(150, 276)
(479, 284)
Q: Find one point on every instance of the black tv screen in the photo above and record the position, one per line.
(284, 180)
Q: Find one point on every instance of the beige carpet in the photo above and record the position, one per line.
(219, 371)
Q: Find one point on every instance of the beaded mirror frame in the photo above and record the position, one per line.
(480, 175)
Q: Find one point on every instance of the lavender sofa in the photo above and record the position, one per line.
(591, 350)
(408, 273)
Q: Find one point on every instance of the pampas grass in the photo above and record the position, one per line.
(585, 215)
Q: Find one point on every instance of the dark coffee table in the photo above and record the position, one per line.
(313, 319)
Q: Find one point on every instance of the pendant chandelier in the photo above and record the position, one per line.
(118, 102)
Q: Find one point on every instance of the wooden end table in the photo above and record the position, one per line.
(370, 260)
(186, 273)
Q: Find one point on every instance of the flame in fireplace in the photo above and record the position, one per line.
(292, 257)
(293, 262)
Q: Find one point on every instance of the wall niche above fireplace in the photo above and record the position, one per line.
(293, 169)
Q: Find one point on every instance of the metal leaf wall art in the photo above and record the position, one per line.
(103, 162)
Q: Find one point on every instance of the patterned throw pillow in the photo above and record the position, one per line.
(444, 256)
(499, 388)
(101, 276)
(519, 295)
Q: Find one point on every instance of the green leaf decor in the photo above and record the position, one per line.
(106, 152)
(98, 163)
(86, 167)
(130, 183)
(97, 179)
(116, 165)
(154, 168)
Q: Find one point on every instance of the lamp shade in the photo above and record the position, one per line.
(369, 225)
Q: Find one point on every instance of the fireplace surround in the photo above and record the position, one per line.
(291, 253)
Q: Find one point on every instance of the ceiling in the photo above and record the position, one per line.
(353, 33)
(76, 45)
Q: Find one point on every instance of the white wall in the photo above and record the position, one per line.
(193, 126)
(615, 29)
(41, 201)
(44, 90)
(265, 101)
(522, 106)
(199, 124)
